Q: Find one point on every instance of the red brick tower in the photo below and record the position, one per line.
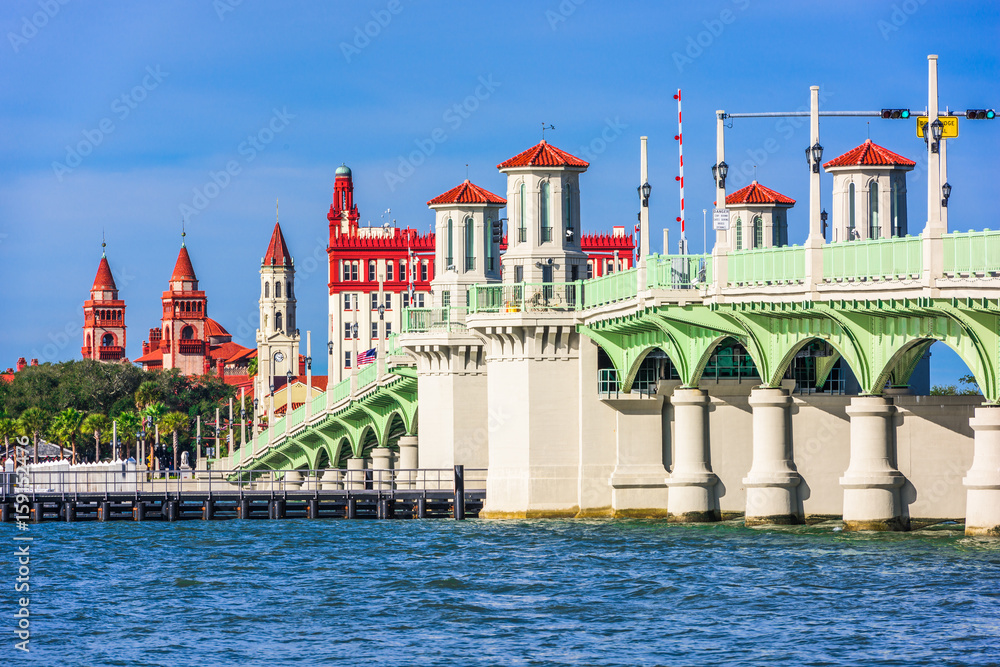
(104, 318)
(185, 311)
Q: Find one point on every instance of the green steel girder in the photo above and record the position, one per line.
(881, 340)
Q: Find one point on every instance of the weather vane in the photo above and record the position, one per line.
(546, 127)
(183, 232)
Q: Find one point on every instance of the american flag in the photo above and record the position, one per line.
(367, 357)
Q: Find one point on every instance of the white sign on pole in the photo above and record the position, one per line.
(720, 219)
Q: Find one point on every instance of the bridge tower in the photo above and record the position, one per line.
(277, 336)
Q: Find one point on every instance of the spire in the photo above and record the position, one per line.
(183, 270)
(104, 280)
(277, 250)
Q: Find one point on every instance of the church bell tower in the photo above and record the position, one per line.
(277, 336)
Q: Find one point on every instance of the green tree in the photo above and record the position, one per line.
(100, 426)
(147, 394)
(8, 429)
(66, 427)
(252, 367)
(34, 421)
(128, 426)
(173, 424)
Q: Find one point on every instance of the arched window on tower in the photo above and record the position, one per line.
(277, 290)
(88, 340)
(874, 228)
(850, 213)
(545, 212)
(267, 290)
(277, 321)
(758, 232)
(522, 224)
(470, 244)
(187, 333)
(568, 210)
(107, 340)
(450, 257)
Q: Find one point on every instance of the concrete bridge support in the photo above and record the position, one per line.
(382, 468)
(772, 496)
(355, 476)
(637, 483)
(408, 462)
(692, 483)
(872, 482)
(982, 509)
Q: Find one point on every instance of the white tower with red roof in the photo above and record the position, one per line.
(758, 218)
(543, 231)
(869, 193)
(464, 247)
(277, 335)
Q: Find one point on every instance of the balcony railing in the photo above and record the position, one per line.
(422, 320)
(111, 353)
(524, 297)
(876, 259)
(972, 253)
(767, 266)
(190, 346)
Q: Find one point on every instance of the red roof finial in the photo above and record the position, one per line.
(104, 280)
(277, 250)
(183, 270)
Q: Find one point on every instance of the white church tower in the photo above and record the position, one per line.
(277, 337)
(543, 195)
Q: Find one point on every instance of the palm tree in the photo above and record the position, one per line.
(66, 427)
(152, 414)
(252, 367)
(147, 394)
(174, 423)
(8, 428)
(33, 422)
(100, 426)
(128, 424)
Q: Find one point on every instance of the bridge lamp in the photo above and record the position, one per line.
(329, 348)
(256, 402)
(823, 217)
(946, 193)
(309, 363)
(354, 330)
(719, 173)
(644, 191)
(815, 153)
(937, 131)
(288, 377)
(381, 311)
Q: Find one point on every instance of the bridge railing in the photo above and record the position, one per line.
(609, 289)
(341, 390)
(367, 375)
(875, 259)
(524, 297)
(972, 253)
(678, 271)
(422, 320)
(318, 403)
(298, 415)
(767, 266)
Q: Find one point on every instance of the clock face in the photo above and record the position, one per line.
(279, 357)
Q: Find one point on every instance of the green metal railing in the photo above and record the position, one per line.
(421, 320)
(780, 265)
(341, 390)
(392, 348)
(645, 381)
(367, 375)
(877, 259)
(609, 289)
(971, 252)
(524, 297)
(298, 415)
(678, 271)
(318, 404)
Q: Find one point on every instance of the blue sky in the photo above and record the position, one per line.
(120, 117)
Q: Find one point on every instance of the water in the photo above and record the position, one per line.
(439, 592)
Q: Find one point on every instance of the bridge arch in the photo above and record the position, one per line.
(395, 427)
(367, 441)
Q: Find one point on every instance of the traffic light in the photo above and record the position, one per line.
(497, 231)
(896, 113)
(980, 114)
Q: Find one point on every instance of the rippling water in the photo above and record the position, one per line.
(439, 592)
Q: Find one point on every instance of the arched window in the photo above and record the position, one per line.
(568, 207)
(371, 271)
(874, 228)
(277, 322)
(545, 212)
(449, 258)
(88, 340)
(739, 234)
(470, 244)
(277, 290)
(107, 340)
(522, 232)
(850, 213)
(758, 232)
(488, 243)
(187, 333)
(894, 208)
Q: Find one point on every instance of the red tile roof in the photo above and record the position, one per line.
(227, 351)
(467, 193)
(213, 328)
(183, 269)
(104, 280)
(543, 155)
(871, 154)
(277, 251)
(755, 193)
(154, 355)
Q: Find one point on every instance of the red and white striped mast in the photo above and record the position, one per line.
(683, 246)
